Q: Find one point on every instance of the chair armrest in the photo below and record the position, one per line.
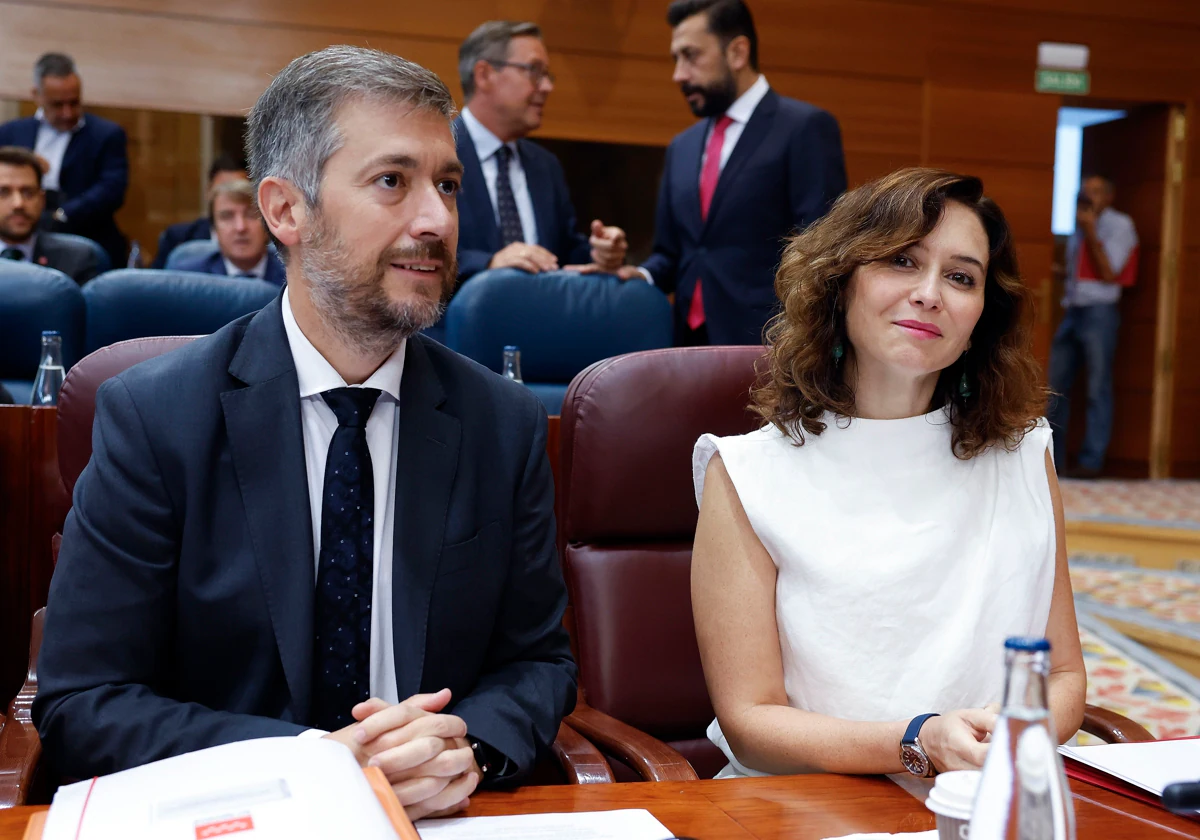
(20, 747)
(653, 760)
(580, 760)
(1113, 728)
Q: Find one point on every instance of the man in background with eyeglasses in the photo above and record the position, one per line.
(514, 208)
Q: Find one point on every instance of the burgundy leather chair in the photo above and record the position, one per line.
(578, 761)
(627, 519)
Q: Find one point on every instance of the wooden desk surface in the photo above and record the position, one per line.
(795, 808)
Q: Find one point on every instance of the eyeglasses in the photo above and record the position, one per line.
(536, 72)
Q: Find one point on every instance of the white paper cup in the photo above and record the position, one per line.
(952, 798)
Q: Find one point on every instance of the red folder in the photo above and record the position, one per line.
(1086, 270)
(1084, 773)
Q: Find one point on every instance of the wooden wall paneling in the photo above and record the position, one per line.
(795, 34)
(34, 505)
(169, 64)
(992, 126)
(1036, 260)
(876, 116)
(1185, 12)
(1024, 193)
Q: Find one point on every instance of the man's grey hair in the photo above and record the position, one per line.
(58, 65)
(292, 131)
(489, 42)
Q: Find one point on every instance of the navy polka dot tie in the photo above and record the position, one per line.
(342, 615)
(510, 219)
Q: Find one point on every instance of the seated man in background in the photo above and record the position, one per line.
(316, 518)
(88, 163)
(223, 170)
(515, 208)
(241, 237)
(21, 201)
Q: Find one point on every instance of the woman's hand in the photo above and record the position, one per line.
(958, 740)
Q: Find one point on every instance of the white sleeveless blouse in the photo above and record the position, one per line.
(901, 569)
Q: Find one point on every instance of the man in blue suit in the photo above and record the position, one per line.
(88, 168)
(515, 210)
(316, 521)
(223, 169)
(756, 169)
(241, 237)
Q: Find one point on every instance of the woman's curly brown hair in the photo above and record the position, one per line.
(878, 221)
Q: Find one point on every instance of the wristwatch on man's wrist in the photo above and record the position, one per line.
(912, 754)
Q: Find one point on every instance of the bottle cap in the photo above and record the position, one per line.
(1027, 643)
(510, 347)
(49, 332)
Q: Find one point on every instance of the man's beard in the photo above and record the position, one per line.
(350, 297)
(9, 234)
(717, 97)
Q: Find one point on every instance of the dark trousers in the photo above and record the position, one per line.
(1086, 337)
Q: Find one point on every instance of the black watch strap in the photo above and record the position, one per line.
(491, 763)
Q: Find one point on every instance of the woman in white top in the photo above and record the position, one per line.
(860, 559)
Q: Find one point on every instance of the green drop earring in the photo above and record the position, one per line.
(964, 387)
(838, 352)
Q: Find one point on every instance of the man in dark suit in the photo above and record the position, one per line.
(21, 203)
(88, 168)
(223, 170)
(241, 237)
(515, 209)
(316, 521)
(756, 169)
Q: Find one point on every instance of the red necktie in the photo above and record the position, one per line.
(709, 176)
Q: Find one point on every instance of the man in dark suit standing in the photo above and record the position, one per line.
(241, 237)
(757, 168)
(223, 170)
(21, 203)
(316, 521)
(515, 209)
(88, 168)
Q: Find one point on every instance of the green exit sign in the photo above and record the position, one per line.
(1078, 82)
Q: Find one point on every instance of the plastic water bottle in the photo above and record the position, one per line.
(512, 363)
(50, 370)
(135, 255)
(1023, 793)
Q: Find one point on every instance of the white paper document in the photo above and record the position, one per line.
(591, 825)
(1151, 766)
(266, 789)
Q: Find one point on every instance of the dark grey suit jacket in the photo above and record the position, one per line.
(181, 611)
(75, 259)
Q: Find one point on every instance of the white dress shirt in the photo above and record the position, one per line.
(486, 146)
(383, 433)
(740, 112)
(259, 270)
(26, 248)
(52, 145)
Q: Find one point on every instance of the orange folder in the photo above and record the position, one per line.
(379, 784)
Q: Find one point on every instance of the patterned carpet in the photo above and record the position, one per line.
(1123, 675)
(1159, 504)
(1129, 679)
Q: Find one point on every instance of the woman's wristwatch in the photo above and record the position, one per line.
(912, 754)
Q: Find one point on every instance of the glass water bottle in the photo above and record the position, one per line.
(1023, 793)
(50, 371)
(512, 363)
